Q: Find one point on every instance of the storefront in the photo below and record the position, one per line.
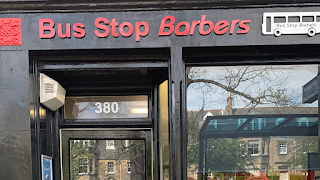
(226, 93)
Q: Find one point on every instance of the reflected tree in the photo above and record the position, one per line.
(250, 85)
(223, 154)
(134, 150)
(80, 157)
(228, 156)
(128, 151)
(303, 146)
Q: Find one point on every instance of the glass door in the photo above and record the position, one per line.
(106, 154)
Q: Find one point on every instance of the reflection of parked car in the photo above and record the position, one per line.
(258, 176)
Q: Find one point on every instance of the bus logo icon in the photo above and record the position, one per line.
(278, 23)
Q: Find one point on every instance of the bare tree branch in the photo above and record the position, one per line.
(229, 89)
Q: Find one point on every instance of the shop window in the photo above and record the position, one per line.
(110, 144)
(282, 148)
(129, 167)
(110, 167)
(264, 97)
(253, 147)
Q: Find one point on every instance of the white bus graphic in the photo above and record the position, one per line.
(278, 23)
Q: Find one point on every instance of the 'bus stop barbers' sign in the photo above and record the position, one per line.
(104, 28)
(222, 25)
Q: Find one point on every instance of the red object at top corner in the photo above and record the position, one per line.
(10, 32)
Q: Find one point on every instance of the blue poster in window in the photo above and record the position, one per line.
(46, 165)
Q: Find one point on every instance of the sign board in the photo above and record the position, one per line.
(46, 167)
(310, 91)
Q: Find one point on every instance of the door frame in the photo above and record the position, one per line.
(66, 135)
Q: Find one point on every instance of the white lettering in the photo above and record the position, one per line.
(98, 104)
(107, 107)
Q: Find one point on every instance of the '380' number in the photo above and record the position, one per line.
(107, 107)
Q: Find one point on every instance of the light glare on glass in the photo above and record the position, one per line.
(139, 111)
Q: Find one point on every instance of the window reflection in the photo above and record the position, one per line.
(107, 159)
(249, 121)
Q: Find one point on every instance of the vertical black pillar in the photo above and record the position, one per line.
(177, 127)
(205, 158)
(15, 135)
(201, 157)
(156, 136)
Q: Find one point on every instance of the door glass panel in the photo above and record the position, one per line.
(109, 159)
(106, 154)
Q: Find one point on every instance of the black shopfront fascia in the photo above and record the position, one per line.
(250, 48)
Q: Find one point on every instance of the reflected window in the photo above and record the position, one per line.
(240, 122)
(283, 148)
(110, 144)
(129, 167)
(242, 149)
(303, 122)
(213, 125)
(110, 167)
(279, 120)
(264, 147)
(91, 165)
(83, 165)
(127, 144)
(253, 147)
